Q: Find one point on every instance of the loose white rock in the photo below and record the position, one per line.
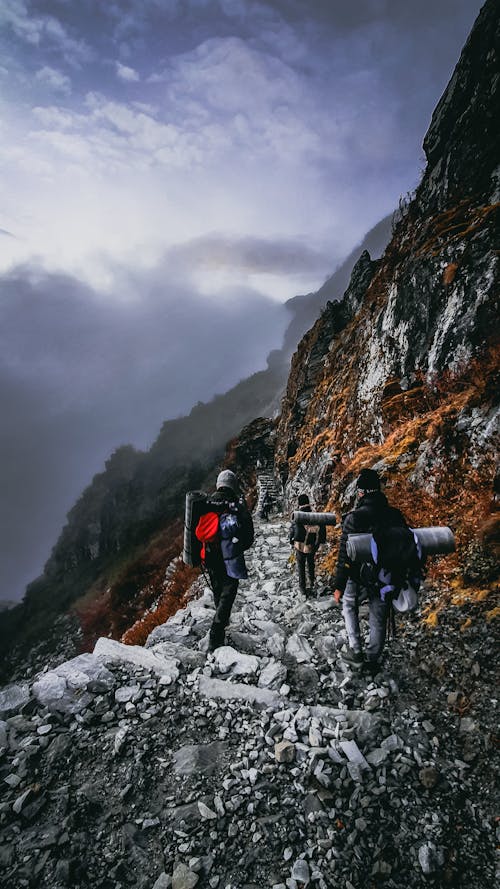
(109, 650)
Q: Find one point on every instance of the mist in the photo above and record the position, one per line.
(81, 373)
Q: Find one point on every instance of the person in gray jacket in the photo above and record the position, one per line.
(372, 511)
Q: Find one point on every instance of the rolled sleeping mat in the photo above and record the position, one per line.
(433, 542)
(195, 507)
(314, 518)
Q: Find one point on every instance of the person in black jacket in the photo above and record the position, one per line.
(306, 540)
(372, 511)
(224, 586)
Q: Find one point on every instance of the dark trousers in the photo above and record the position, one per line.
(304, 559)
(224, 590)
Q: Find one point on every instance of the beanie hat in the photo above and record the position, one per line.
(303, 500)
(368, 481)
(227, 479)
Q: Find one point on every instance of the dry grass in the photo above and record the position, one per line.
(175, 595)
(114, 607)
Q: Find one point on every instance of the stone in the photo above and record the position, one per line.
(195, 759)
(299, 648)
(301, 872)
(276, 646)
(109, 650)
(119, 740)
(392, 742)
(188, 658)
(273, 675)
(13, 697)
(206, 813)
(228, 660)
(127, 693)
(284, 751)
(269, 628)
(377, 756)
(315, 737)
(184, 878)
(430, 858)
(3, 733)
(64, 689)
(326, 646)
(164, 881)
(353, 753)
(247, 642)
(467, 724)
(231, 691)
(429, 777)
(19, 803)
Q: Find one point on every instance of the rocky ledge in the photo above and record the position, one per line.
(266, 764)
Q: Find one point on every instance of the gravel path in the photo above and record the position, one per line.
(266, 764)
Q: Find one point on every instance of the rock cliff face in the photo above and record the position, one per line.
(401, 374)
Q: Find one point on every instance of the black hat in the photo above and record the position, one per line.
(303, 500)
(368, 480)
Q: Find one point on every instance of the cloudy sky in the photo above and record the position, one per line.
(172, 171)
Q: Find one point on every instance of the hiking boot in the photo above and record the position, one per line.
(371, 668)
(353, 658)
(308, 593)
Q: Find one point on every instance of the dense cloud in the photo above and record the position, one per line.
(81, 374)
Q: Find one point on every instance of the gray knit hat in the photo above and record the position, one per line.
(227, 479)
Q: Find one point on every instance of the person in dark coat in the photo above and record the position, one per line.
(306, 540)
(223, 585)
(266, 506)
(372, 511)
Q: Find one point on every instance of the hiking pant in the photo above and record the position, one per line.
(224, 590)
(302, 560)
(354, 594)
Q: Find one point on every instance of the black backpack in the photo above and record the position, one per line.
(397, 569)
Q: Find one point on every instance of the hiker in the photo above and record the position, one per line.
(306, 540)
(224, 584)
(372, 512)
(266, 506)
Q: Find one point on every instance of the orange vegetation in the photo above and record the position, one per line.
(121, 601)
(175, 595)
(450, 490)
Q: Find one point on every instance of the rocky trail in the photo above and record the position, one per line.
(266, 764)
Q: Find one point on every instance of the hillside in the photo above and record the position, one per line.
(402, 374)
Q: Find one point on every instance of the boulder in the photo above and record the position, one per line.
(65, 689)
(110, 651)
(228, 660)
(232, 691)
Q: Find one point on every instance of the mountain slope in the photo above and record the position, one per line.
(403, 373)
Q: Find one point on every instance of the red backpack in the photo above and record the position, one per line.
(207, 531)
